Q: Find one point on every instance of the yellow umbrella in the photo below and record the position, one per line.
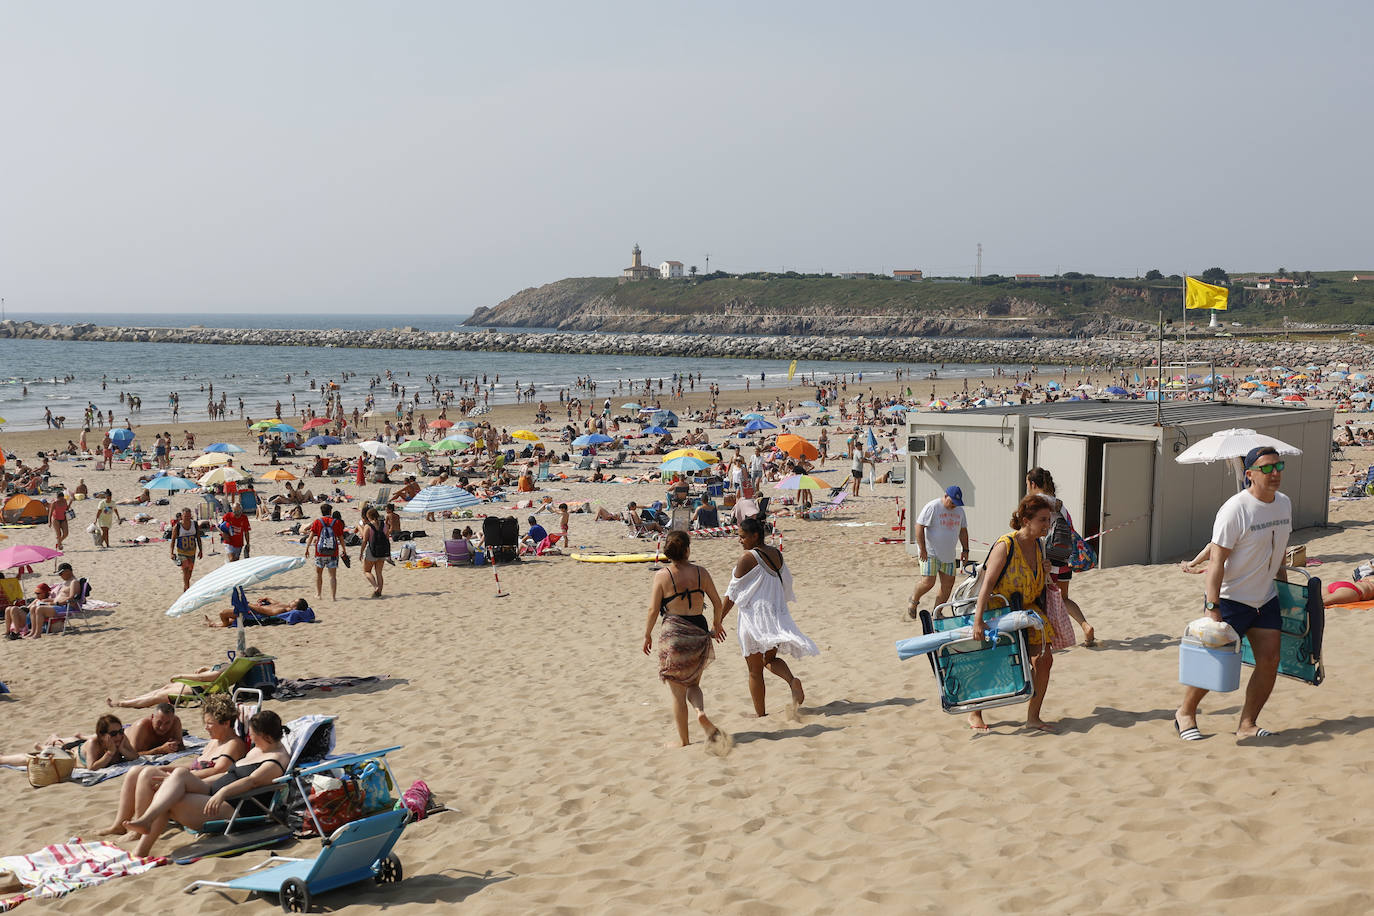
(700, 454)
(210, 460)
(223, 475)
(279, 474)
(525, 434)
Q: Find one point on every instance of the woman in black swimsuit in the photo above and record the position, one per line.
(218, 755)
(679, 596)
(193, 802)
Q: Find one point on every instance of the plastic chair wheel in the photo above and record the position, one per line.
(295, 896)
(388, 870)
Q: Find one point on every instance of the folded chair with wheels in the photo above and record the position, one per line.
(975, 674)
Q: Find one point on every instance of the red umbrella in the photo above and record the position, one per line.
(318, 421)
(441, 424)
(1294, 397)
(25, 555)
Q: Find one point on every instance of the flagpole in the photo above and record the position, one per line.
(1187, 382)
(1159, 374)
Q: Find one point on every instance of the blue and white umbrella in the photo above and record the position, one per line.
(753, 416)
(441, 499)
(121, 438)
(282, 428)
(657, 431)
(591, 439)
(683, 463)
(219, 583)
(171, 482)
(630, 406)
(322, 441)
(225, 447)
(754, 426)
(810, 403)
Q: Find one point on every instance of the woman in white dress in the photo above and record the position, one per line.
(761, 587)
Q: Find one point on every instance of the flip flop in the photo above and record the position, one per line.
(1188, 734)
(1261, 733)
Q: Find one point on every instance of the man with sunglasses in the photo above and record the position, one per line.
(1249, 538)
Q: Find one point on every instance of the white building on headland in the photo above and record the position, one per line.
(670, 270)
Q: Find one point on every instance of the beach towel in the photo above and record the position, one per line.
(84, 777)
(288, 688)
(290, 618)
(1356, 605)
(55, 871)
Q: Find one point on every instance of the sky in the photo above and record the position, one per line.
(371, 157)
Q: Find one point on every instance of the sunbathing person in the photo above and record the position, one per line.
(224, 748)
(168, 692)
(158, 733)
(106, 747)
(193, 801)
(264, 607)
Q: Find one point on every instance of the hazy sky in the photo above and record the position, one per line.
(431, 156)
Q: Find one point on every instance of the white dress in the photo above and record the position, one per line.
(761, 596)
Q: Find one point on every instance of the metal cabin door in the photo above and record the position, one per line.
(1128, 479)
(1066, 458)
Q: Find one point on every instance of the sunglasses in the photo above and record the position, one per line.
(1267, 468)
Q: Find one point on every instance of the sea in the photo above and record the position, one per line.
(66, 376)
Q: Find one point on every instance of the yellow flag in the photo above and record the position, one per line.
(792, 369)
(1199, 295)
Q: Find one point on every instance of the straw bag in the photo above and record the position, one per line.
(51, 765)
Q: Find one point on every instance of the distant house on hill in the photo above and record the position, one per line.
(906, 275)
(637, 270)
(856, 275)
(1275, 283)
(670, 270)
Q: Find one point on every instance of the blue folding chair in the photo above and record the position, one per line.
(1302, 627)
(977, 674)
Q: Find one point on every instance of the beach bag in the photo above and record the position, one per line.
(335, 807)
(374, 788)
(94, 531)
(49, 766)
(1059, 543)
(1082, 558)
(1053, 602)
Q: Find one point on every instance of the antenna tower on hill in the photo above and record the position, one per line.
(978, 269)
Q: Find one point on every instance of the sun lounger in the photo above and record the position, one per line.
(224, 681)
(816, 513)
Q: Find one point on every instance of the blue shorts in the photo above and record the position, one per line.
(326, 562)
(1243, 617)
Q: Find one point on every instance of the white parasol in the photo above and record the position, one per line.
(1233, 445)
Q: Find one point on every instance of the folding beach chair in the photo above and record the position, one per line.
(816, 513)
(541, 473)
(681, 519)
(584, 463)
(75, 611)
(1302, 627)
(898, 474)
(459, 552)
(978, 674)
(225, 679)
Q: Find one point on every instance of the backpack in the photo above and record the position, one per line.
(1059, 542)
(328, 541)
(381, 544)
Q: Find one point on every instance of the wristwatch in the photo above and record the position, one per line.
(1210, 606)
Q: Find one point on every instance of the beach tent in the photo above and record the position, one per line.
(664, 418)
(24, 510)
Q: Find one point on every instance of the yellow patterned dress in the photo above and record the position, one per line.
(1027, 579)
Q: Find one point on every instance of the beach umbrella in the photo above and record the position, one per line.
(223, 447)
(1248, 386)
(263, 424)
(591, 439)
(798, 447)
(223, 475)
(441, 499)
(801, 482)
(379, 450)
(795, 417)
(630, 406)
(752, 416)
(683, 463)
(281, 428)
(1294, 398)
(441, 424)
(810, 403)
(649, 409)
(279, 474)
(896, 408)
(1259, 394)
(754, 426)
(412, 446)
(1358, 376)
(657, 431)
(525, 434)
(1085, 387)
(26, 555)
(322, 441)
(939, 404)
(1117, 390)
(455, 444)
(1233, 445)
(171, 482)
(210, 460)
(315, 423)
(1361, 396)
(121, 438)
(479, 411)
(213, 587)
(466, 424)
(703, 454)
(460, 438)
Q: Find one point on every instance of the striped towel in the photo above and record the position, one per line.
(55, 871)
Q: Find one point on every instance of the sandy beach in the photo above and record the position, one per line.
(536, 718)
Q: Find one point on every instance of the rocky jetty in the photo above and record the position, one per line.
(1040, 351)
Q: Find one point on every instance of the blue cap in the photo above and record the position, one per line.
(1255, 454)
(956, 494)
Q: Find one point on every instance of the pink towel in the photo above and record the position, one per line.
(416, 799)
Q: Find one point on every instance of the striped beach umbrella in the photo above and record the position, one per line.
(441, 499)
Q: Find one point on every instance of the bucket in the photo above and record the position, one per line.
(1210, 669)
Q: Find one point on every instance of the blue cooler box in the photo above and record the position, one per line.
(1210, 669)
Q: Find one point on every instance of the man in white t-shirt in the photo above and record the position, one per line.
(1249, 538)
(940, 530)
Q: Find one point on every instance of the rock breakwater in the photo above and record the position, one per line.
(1039, 351)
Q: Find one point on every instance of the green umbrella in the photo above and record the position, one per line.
(412, 446)
(452, 445)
